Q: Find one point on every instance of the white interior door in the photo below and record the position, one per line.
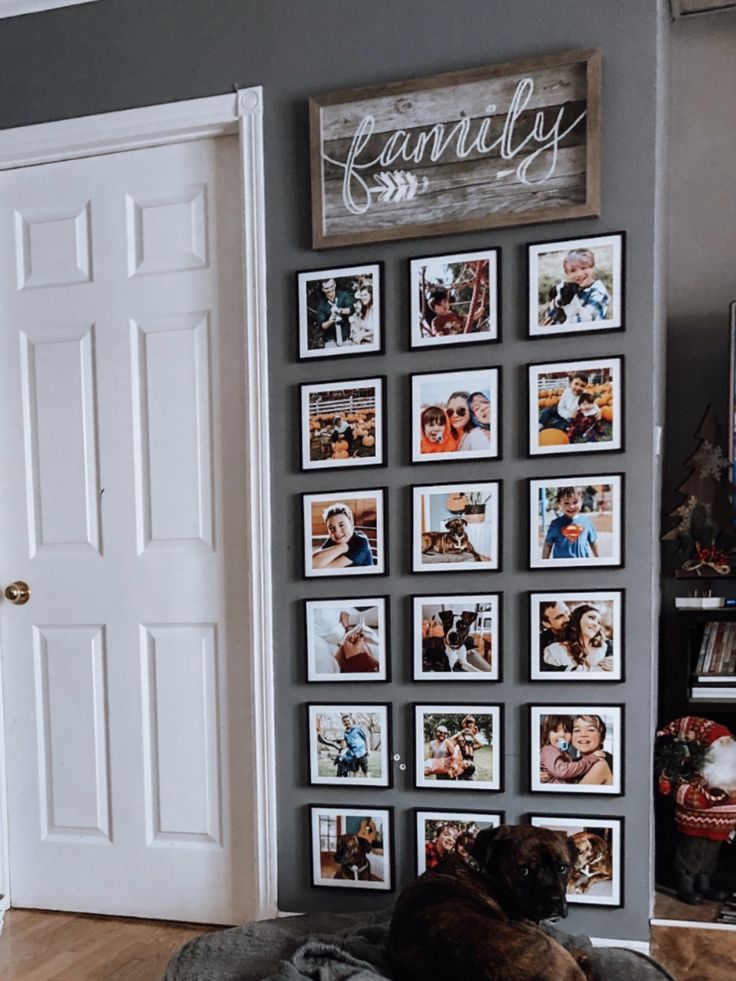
(122, 505)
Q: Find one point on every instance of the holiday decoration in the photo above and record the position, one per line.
(705, 531)
(695, 760)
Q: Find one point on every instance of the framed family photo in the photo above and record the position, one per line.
(457, 637)
(575, 406)
(340, 311)
(455, 415)
(342, 424)
(455, 298)
(352, 847)
(576, 521)
(459, 747)
(349, 744)
(596, 876)
(444, 832)
(576, 635)
(576, 749)
(456, 527)
(576, 286)
(344, 533)
(347, 639)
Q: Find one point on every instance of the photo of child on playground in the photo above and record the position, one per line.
(575, 522)
(576, 286)
(575, 407)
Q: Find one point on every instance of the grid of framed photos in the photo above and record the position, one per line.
(575, 406)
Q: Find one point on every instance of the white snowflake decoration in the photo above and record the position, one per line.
(710, 461)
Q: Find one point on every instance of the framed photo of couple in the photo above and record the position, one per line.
(444, 832)
(576, 635)
(455, 415)
(352, 847)
(576, 749)
(457, 637)
(575, 406)
(596, 876)
(455, 298)
(576, 286)
(576, 521)
(340, 311)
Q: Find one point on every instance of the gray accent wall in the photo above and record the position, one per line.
(116, 54)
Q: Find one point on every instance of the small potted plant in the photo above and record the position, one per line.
(475, 509)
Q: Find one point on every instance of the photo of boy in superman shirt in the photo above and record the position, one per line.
(572, 534)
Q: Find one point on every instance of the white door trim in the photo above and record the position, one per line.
(14, 8)
(239, 113)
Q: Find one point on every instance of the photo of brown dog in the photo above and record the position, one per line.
(595, 878)
(478, 918)
(352, 847)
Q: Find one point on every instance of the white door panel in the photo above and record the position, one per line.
(123, 469)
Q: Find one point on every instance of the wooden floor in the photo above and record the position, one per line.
(41, 946)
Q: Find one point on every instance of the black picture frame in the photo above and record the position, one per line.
(312, 636)
(461, 489)
(589, 443)
(307, 283)
(388, 882)
(449, 815)
(379, 383)
(587, 871)
(420, 654)
(614, 480)
(315, 718)
(418, 299)
(611, 711)
(448, 382)
(346, 496)
(459, 709)
(555, 248)
(536, 599)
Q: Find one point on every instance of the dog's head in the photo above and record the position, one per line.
(456, 627)
(351, 850)
(456, 526)
(562, 294)
(526, 869)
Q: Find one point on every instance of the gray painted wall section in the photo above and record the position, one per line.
(121, 53)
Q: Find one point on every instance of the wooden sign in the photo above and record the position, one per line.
(512, 144)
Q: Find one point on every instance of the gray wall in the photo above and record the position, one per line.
(120, 53)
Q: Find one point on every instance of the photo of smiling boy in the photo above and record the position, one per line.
(571, 535)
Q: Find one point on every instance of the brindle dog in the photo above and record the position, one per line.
(478, 921)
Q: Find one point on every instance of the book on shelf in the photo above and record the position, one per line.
(717, 652)
(713, 693)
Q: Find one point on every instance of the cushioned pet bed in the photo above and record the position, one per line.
(342, 946)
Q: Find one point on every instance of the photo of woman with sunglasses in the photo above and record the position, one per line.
(455, 414)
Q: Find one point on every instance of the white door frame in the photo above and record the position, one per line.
(240, 113)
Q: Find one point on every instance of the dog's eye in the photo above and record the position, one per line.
(523, 870)
(563, 868)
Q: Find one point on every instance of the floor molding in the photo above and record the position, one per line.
(640, 946)
(693, 924)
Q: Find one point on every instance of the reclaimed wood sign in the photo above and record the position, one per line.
(511, 144)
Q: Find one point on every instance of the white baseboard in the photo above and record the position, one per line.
(693, 924)
(640, 946)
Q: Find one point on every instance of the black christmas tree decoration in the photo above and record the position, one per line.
(705, 531)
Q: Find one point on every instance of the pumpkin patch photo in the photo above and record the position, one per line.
(342, 424)
(576, 406)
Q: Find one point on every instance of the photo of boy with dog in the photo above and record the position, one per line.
(576, 521)
(349, 743)
(456, 527)
(458, 746)
(352, 847)
(457, 637)
(441, 833)
(596, 874)
(576, 286)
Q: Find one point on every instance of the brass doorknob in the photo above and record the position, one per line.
(18, 592)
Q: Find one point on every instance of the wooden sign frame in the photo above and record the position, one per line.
(510, 144)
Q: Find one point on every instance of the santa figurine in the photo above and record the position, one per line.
(697, 765)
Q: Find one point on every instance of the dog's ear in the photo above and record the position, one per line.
(365, 844)
(487, 843)
(468, 617)
(446, 616)
(571, 850)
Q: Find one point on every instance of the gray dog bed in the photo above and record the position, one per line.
(344, 947)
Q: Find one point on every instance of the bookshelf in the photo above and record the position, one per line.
(710, 658)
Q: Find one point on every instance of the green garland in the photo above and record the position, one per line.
(679, 760)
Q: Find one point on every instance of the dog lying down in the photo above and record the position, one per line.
(478, 920)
